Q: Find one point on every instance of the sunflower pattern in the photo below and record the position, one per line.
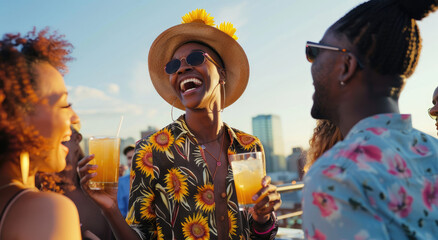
(176, 183)
(196, 228)
(205, 198)
(247, 141)
(232, 223)
(143, 160)
(147, 210)
(159, 233)
(162, 140)
(172, 192)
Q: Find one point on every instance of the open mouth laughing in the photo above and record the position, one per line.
(190, 84)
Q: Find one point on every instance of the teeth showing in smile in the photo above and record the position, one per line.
(189, 84)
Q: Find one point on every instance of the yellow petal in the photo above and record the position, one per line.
(228, 28)
(198, 15)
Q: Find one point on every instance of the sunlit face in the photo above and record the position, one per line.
(434, 109)
(197, 87)
(324, 80)
(51, 117)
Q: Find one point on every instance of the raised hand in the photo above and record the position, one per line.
(268, 200)
(106, 198)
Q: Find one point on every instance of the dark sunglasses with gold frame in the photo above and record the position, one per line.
(313, 49)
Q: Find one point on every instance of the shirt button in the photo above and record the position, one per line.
(223, 195)
(222, 218)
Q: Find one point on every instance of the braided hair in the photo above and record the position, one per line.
(386, 34)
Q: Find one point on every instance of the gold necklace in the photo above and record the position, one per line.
(218, 162)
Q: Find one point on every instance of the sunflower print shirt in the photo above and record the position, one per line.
(172, 193)
(380, 182)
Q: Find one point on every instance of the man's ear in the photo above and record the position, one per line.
(349, 67)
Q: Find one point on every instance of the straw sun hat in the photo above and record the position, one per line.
(197, 26)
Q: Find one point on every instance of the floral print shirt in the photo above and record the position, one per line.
(380, 182)
(172, 193)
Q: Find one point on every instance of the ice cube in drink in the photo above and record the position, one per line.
(248, 172)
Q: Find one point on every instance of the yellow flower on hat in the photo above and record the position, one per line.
(228, 28)
(198, 15)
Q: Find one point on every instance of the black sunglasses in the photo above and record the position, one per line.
(313, 49)
(193, 59)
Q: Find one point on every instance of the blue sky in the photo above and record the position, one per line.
(109, 77)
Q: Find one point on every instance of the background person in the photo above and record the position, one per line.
(35, 119)
(433, 111)
(125, 182)
(379, 182)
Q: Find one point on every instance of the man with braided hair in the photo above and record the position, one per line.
(381, 181)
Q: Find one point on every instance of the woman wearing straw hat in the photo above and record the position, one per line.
(182, 182)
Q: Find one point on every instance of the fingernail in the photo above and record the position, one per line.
(94, 174)
(255, 197)
(264, 183)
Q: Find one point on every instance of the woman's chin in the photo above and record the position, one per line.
(55, 160)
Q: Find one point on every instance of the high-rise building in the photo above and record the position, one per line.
(268, 129)
(295, 162)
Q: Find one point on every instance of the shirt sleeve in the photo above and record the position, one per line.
(140, 215)
(336, 206)
(123, 195)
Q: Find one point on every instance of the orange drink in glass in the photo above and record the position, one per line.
(248, 171)
(106, 152)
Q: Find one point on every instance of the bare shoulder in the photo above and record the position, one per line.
(43, 215)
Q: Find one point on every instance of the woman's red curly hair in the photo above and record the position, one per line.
(18, 86)
(325, 136)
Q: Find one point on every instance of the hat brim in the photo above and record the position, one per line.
(232, 54)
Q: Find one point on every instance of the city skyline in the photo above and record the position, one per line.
(109, 77)
(269, 131)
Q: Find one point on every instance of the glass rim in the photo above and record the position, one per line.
(241, 154)
(104, 137)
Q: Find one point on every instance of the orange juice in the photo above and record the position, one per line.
(248, 171)
(247, 184)
(106, 152)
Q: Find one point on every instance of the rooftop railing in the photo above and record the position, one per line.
(292, 187)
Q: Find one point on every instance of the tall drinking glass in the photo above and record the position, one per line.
(106, 152)
(248, 171)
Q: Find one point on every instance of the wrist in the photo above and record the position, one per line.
(266, 227)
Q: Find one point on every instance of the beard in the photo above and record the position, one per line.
(320, 100)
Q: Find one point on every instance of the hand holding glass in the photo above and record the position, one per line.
(106, 152)
(248, 172)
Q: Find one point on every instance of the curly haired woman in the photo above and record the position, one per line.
(35, 119)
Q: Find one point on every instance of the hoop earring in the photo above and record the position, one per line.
(223, 103)
(212, 96)
(24, 165)
(171, 111)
